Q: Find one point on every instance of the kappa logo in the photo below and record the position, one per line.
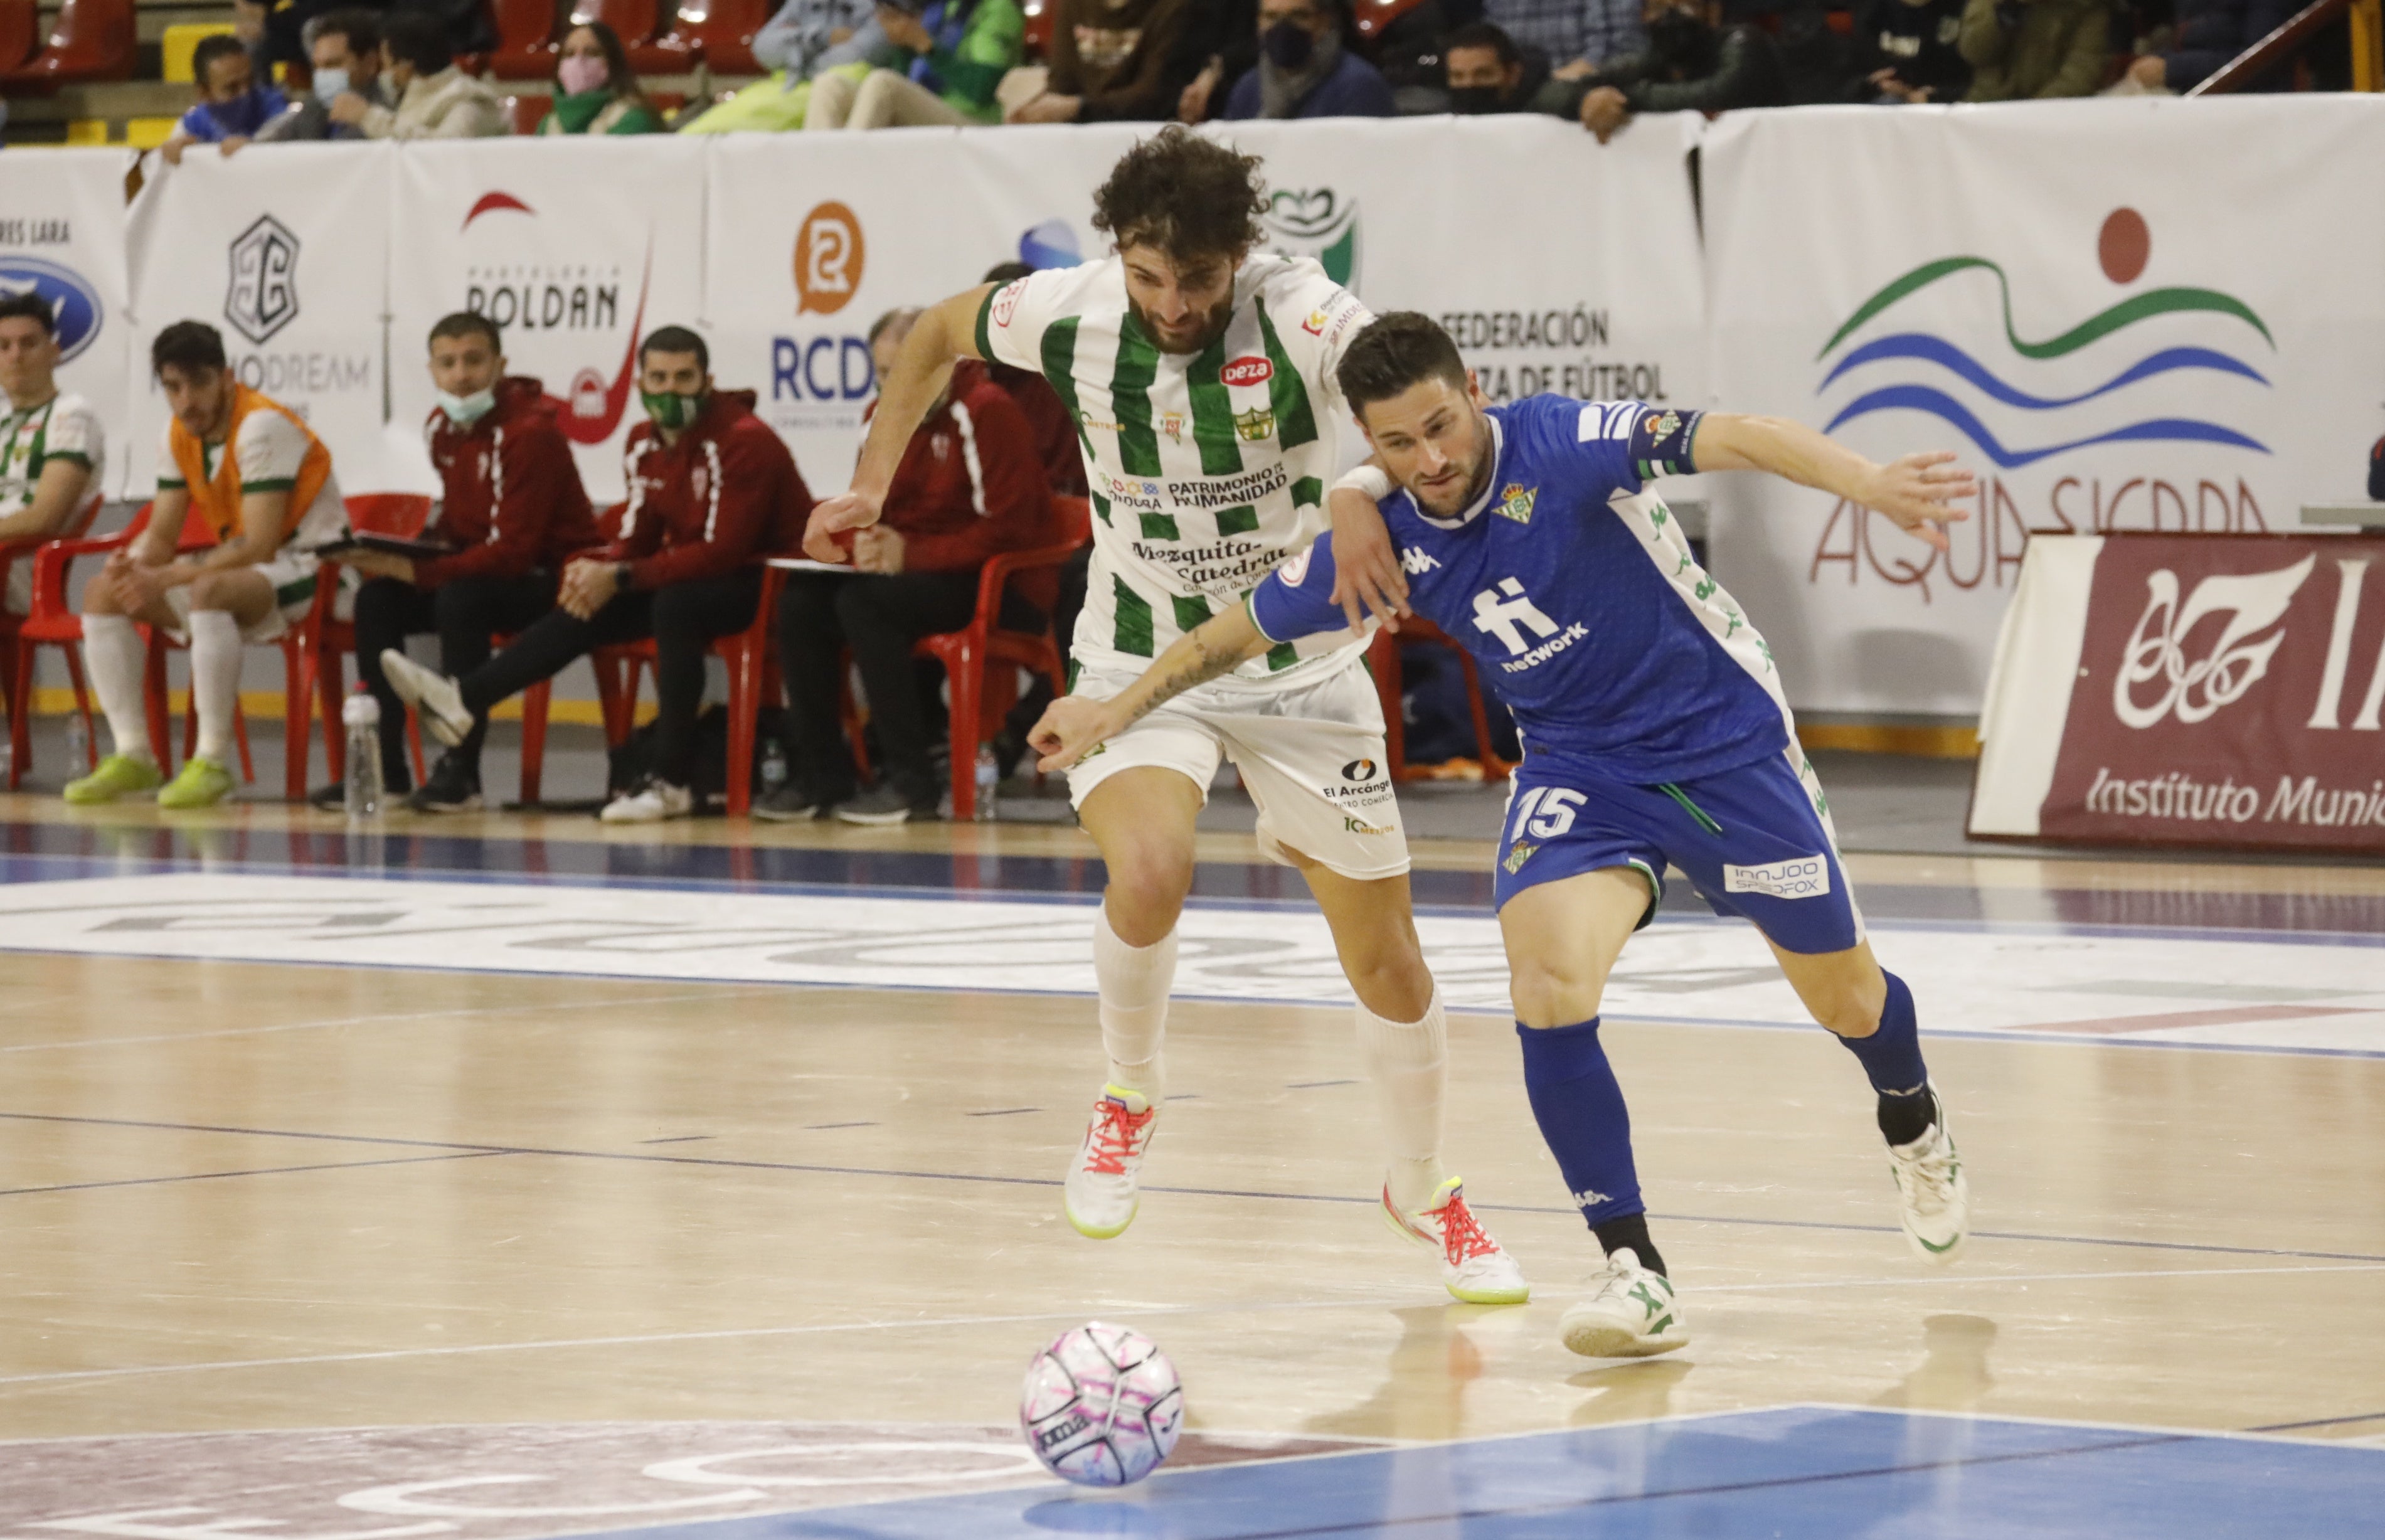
(1507, 612)
(1516, 502)
(2196, 688)
(1414, 561)
(263, 295)
(830, 256)
(1250, 369)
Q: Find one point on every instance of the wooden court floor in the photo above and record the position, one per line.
(244, 1196)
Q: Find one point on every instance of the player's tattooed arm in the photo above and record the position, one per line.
(1074, 725)
(1916, 493)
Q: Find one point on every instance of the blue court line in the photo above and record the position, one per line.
(805, 1168)
(1797, 1473)
(262, 1170)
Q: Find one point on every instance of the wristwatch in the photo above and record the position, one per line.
(621, 576)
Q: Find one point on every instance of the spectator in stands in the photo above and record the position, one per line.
(596, 92)
(53, 450)
(712, 492)
(950, 60)
(511, 504)
(434, 98)
(1219, 45)
(1488, 71)
(2209, 33)
(1111, 61)
(1306, 70)
(2020, 49)
(1578, 35)
(969, 487)
(277, 30)
(260, 480)
(1692, 64)
(806, 39)
(1908, 51)
(345, 49)
(231, 106)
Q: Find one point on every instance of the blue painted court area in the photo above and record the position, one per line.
(1795, 1472)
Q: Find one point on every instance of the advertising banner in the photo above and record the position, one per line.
(2191, 690)
(2090, 302)
(574, 247)
(286, 253)
(62, 237)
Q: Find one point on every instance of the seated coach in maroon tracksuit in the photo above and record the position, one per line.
(712, 492)
(970, 485)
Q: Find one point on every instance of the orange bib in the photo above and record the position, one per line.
(216, 497)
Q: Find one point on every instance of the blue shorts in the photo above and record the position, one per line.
(1755, 841)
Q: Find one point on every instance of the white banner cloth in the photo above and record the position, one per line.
(62, 236)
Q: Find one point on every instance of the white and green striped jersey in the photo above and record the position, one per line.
(1206, 469)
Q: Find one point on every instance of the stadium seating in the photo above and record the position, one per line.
(640, 24)
(722, 31)
(526, 40)
(524, 113)
(21, 33)
(1383, 658)
(17, 646)
(182, 40)
(1373, 16)
(92, 40)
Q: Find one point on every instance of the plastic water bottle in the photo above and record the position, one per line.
(78, 744)
(988, 775)
(774, 765)
(361, 716)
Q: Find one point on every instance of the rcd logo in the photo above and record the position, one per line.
(829, 259)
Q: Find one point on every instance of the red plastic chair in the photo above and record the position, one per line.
(92, 40)
(526, 40)
(640, 24)
(16, 648)
(21, 33)
(1383, 658)
(1040, 14)
(525, 113)
(1373, 16)
(398, 513)
(721, 33)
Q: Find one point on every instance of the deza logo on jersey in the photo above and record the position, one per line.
(528, 294)
(75, 309)
(819, 379)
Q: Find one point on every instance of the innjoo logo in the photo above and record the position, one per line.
(2194, 688)
(830, 258)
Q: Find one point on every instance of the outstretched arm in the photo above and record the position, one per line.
(1915, 493)
(946, 332)
(1074, 724)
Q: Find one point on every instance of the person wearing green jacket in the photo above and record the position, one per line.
(2024, 49)
(954, 55)
(596, 89)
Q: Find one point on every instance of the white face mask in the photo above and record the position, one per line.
(464, 410)
(330, 83)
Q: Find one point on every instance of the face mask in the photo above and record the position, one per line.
(330, 83)
(671, 410)
(1675, 34)
(1289, 45)
(1473, 99)
(580, 74)
(464, 410)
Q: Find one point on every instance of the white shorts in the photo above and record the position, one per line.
(292, 575)
(1313, 759)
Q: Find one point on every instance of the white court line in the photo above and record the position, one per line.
(712, 993)
(940, 1323)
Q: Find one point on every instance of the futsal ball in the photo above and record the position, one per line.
(1102, 1406)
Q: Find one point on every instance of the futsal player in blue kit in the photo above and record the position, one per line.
(1655, 733)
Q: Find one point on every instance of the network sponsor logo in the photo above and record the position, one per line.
(1927, 357)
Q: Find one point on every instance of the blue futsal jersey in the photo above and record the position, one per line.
(1574, 589)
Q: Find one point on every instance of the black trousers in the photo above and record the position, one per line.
(465, 614)
(879, 617)
(1071, 600)
(682, 617)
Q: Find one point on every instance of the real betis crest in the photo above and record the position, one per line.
(1518, 857)
(1516, 502)
(1256, 424)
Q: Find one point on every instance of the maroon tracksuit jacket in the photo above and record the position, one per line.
(725, 495)
(511, 500)
(971, 484)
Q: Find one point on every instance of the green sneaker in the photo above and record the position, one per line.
(202, 784)
(119, 775)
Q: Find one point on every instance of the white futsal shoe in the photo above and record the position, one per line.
(436, 701)
(1632, 1315)
(1931, 1190)
(1474, 1268)
(1100, 1196)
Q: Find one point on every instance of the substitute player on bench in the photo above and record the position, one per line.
(1655, 732)
(1201, 381)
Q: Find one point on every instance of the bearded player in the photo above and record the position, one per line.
(1201, 381)
(1655, 732)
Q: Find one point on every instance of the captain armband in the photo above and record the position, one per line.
(1661, 442)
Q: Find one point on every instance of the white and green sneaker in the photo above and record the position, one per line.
(1932, 1194)
(117, 775)
(1632, 1315)
(202, 784)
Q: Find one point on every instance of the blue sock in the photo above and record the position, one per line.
(1892, 1055)
(1582, 1115)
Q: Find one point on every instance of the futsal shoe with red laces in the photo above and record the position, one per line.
(1100, 1196)
(1473, 1266)
(1632, 1315)
(1933, 1195)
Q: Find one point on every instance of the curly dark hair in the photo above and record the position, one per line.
(1396, 350)
(1189, 197)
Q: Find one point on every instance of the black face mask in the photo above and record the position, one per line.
(1472, 100)
(1677, 34)
(1289, 45)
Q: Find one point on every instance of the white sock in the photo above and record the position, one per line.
(1409, 1063)
(214, 679)
(112, 651)
(1135, 982)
